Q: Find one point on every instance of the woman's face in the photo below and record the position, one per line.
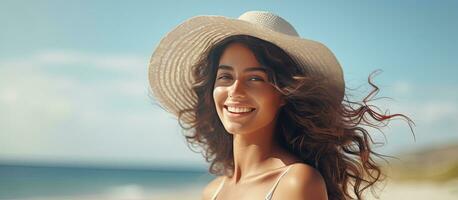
(244, 99)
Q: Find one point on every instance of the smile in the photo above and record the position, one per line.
(238, 111)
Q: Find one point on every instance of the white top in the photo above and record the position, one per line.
(268, 196)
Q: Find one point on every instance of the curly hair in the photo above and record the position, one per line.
(323, 129)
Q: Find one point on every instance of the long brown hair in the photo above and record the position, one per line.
(324, 129)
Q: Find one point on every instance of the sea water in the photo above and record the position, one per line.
(38, 182)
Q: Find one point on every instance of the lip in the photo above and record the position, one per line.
(237, 115)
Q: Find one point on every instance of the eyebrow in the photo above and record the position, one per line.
(230, 68)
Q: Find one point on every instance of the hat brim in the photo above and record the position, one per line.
(169, 70)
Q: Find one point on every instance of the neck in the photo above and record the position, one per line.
(254, 152)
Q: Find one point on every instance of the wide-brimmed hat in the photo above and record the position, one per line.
(169, 70)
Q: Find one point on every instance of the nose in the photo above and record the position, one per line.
(237, 90)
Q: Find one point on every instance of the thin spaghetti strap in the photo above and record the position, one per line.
(219, 188)
(271, 192)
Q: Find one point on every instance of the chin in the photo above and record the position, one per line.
(232, 129)
(236, 130)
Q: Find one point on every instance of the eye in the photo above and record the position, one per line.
(256, 78)
(224, 76)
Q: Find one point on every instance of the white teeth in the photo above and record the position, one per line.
(239, 109)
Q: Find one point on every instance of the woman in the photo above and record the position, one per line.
(268, 109)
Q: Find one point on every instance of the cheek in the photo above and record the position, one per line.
(218, 96)
(215, 94)
(270, 101)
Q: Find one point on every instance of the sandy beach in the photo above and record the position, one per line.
(392, 190)
(419, 191)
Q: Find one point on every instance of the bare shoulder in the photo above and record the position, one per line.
(302, 182)
(211, 188)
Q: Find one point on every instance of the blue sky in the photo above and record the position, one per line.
(73, 80)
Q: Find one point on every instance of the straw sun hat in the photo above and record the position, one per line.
(169, 70)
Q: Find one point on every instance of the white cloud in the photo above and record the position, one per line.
(53, 117)
(402, 87)
(438, 110)
(124, 63)
(433, 109)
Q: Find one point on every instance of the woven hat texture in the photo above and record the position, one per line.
(169, 69)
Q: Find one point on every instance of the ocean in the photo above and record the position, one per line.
(39, 182)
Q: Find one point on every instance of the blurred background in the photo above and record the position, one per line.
(76, 121)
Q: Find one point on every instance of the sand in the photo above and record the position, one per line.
(392, 190)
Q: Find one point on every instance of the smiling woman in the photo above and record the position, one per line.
(244, 99)
(268, 109)
(248, 104)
